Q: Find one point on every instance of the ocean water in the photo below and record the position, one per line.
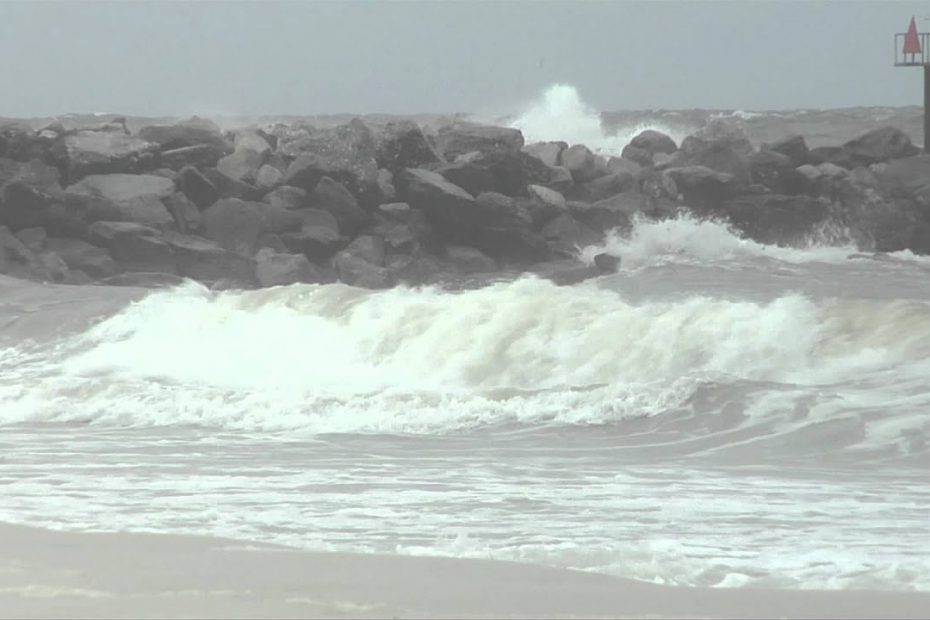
(718, 412)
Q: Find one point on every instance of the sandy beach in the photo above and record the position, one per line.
(104, 575)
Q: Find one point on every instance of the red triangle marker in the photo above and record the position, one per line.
(911, 40)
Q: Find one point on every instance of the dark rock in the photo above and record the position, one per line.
(199, 155)
(512, 245)
(777, 172)
(448, 208)
(581, 163)
(369, 248)
(228, 187)
(513, 171)
(134, 246)
(654, 142)
(549, 153)
(702, 187)
(287, 197)
(201, 191)
(401, 144)
(565, 272)
(33, 238)
(248, 157)
(604, 187)
(543, 204)
(878, 145)
(836, 155)
(606, 263)
(911, 173)
(567, 235)
(32, 196)
(467, 260)
(137, 197)
(386, 191)
(318, 239)
(793, 147)
(775, 219)
(345, 153)
(473, 178)
(498, 210)
(356, 271)
(20, 143)
(725, 132)
(560, 179)
(194, 132)
(205, 260)
(237, 225)
(144, 280)
(100, 152)
(19, 261)
(722, 156)
(638, 155)
(186, 214)
(274, 269)
(404, 230)
(332, 196)
(462, 137)
(268, 177)
(82, 256)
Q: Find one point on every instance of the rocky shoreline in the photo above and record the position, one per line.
(377, 204)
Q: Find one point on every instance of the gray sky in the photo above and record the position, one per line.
(167, 58)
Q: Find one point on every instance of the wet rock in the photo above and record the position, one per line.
(777, 172)
(345, 154)
(879, 145)
(568, 236)
(82, 256)
(100, 152)
(473, 178)
(268, 177)
(287, 197)
(330, 195)
(137, 197)
(565, 272)
(548, 153)
(448, 208)
(318, 238)
(251, 152)
(273, 269)
(144, 280)
(606, 263)
(462, 137)
(201, 191)
(581, 163)
(194, 133)
(794, 147)
(654, 142)
(237, 225)
(604, 186)
(186, 214)
(775, 219)
(702, 187)
(134, 246)
(467, 260)
(199, 155)
(402, 144)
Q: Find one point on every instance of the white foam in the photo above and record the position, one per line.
(560, 114)
(687, 238)
(337, 359)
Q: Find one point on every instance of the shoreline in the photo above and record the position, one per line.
(113, 575)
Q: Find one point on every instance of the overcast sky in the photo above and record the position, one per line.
(265, 57)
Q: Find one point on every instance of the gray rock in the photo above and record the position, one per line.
(268, 177)
(369, 248)
(605, 186)
(638, 155)
(274, 269)
(473, 178)
(318, 239)
(201, 191)
(33, 238)
(134, 246)
(775, 219)
(137, 197)
(606, 263)
(356, 271)
(777, 172)
(332, 196)
(702, 187)
(82, 256)
(186, 215)
(100, 152)
(199, 155)
(402, 144)
(386, 190)
(723, 156)
(581, 163)
(193, 132)
(144, 280)
(565, 272)
(448, 208)
(237, 225)
(467, 260)
(793, 147)
(654, 142)
(879, 145)
(244, 162)
(549, 153)
(568, 236)
(462, 137)
(287, 197)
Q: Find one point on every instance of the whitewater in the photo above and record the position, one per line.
(717, 413)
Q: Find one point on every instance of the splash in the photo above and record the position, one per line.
(561, 115)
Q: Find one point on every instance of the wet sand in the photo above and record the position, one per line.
(104, 575)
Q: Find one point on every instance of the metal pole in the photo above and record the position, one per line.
(926, 108)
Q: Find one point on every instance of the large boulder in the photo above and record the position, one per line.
(567, 235)
(654, 142)
(616, 212)
(777, 172)
(402, 144)
(463, 137)
(197, 141)
(136, 197)
(80, 255)
(911, 173)
(186, 214)
(137, 248)
(775, 219)
(448, 208)
(287, 197)
(107, 152)
(345, 153)
(318, 238)
(362, 264)
(604, 186)
(19, 261)
(468, 261)
(722, 155)
(274, 269)
(20, 143)
(581, 163)
(549, 153)
(566, 271)
(330, 195)
(243, 164)
(239, 225)
(794, 147)
(878, 145)
(471, 177)
(31, 196)
(403, 229)
(701, 187)
(197, 187)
